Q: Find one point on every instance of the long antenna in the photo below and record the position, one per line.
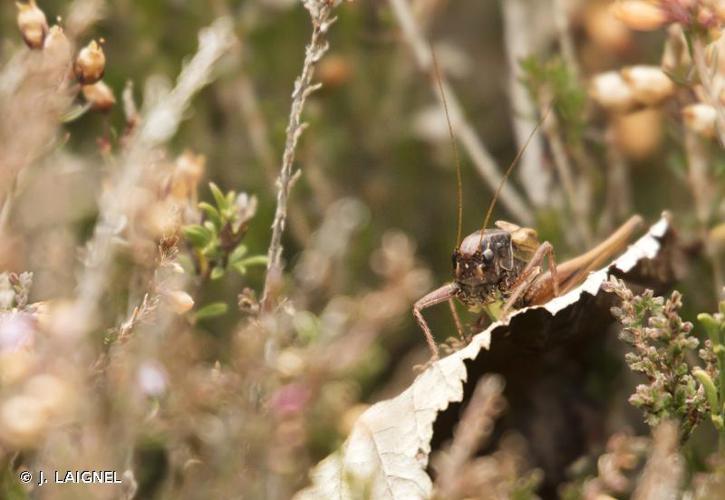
(454, 145)
(511, 167)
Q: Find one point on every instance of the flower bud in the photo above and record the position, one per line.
(700, 118)
(99, 96)
(334, 71)
(640, 15)
(707, 18)
(611, 92)
(180, 301)
(605, 30)
(90, 64)
(32, 23)
(639, 134)
(649, 84)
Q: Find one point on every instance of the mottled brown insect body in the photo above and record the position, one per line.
(485, 267)
(505, 265)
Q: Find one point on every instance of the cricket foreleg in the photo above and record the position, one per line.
(442, 294)
(545, 250)
(456, 317)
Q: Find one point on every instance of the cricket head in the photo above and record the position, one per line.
(482, 260)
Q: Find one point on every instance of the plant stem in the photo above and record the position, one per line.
(721, 368)
(712, 93)
(320, 11)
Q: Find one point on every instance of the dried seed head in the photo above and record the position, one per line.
(612, 92)
(719, 7)
(700, 118)
(188, 171)
(640, 15)
(90, 64)
(649, 84)
(605, 30)
(180, 301)
(335, 71)
(639, 134)
(162, 218)
(32, 23)
(707, 18)
(99, 96)
(676, 56)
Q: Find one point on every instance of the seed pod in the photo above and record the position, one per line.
(180, 301)
(640, 15)
(611, 92)
(649, 84)
(32, 23)
(700, 118)
(99, 96)
(639, 134)
(605, 30)
(90, 64)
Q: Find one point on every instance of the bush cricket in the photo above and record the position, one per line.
(505, 265)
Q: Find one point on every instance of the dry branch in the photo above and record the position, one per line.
(320, 12)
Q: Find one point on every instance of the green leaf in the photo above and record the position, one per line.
(212, 310)
(221, 201)
(238, 267)
(710, 390)
(237, 254)
(211, 213)
(211, 227)
(255, 260)
(217, 273)
(711, 327)
(198, 236)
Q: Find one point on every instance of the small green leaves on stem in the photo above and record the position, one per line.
(216, 241)
(556, 81)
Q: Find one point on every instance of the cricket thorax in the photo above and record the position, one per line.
(484, 267)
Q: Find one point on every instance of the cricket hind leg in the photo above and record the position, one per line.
(572, 272)
(442, 294)
(530, 273)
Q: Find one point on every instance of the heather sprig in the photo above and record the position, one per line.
(217, 241)
(660, 340)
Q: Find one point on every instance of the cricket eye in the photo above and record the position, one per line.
(488, 255)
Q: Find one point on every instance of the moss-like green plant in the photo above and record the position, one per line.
(660, 340)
